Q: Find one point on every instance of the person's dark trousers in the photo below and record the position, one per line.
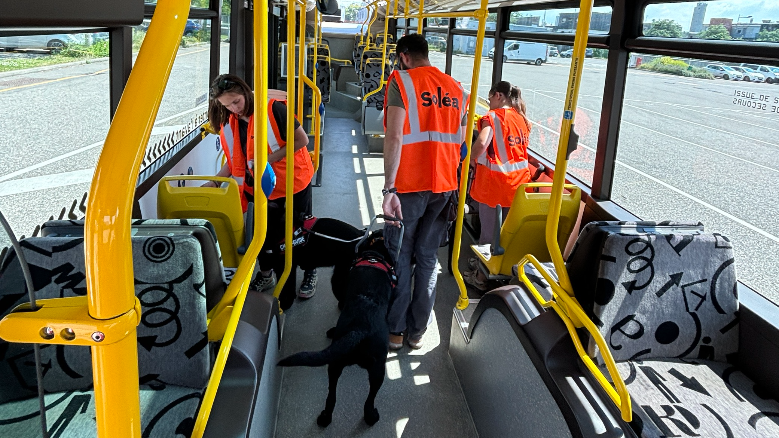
(410, 312)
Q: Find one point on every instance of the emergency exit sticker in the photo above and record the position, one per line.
(760, 101)
(568, 115)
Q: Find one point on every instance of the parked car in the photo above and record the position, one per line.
(771, 73)
(532, 53)
(749, 74)
(436, 42)
(553, 51)
(569, 53)
(724, 72)
(192, 26)
(52, 42)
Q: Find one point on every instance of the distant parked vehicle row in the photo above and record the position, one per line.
(532, 53)
(745, 72)
(53, 42)
(588, 53)
(724, 72)
(771, 74)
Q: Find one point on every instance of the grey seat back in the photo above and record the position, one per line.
(323, 73)
(203, 230)
(663, 290)
(371, 80)
(172, 335)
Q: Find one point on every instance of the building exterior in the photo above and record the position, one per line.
(600, 22)
(698, 15)
(727, 22)
(527, 21)
(746, 31)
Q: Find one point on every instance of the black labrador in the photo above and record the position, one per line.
(361, 336)
(316, 243)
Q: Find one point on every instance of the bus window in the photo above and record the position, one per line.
(559, 20)
(436, 43)
(55, 96)
(224, 48)
(463, 49)
(694, 145)
(543, 91)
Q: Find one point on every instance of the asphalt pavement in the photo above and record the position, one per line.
(689, 148)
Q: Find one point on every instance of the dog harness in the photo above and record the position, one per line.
(373, 259)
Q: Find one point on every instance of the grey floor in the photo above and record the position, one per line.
(421, 396)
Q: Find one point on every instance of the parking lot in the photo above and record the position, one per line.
(690, 149)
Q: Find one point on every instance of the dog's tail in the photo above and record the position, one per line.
(340, 347)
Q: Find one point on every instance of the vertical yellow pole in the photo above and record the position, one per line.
(561, 164)
(301, 59)
(107, 243)
(419, 17)
(314, 108)
(481, 14)
(289, 187)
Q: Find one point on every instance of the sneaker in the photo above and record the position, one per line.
(308, 287)
(262, 283)
(395, 341)
(472, 279)
(415, 343)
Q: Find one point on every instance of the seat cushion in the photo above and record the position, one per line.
(702, 398)
(166, 411)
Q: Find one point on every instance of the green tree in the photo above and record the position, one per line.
(716, 32)
(665, 29)
(769, 35)
(350, 14)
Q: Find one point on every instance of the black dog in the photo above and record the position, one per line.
(316, 243)
(361, 336)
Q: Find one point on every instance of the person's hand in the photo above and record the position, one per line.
(391, 207)
(210, 184)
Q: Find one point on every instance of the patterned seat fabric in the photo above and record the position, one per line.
(371, 80)
(323, 73)
(357, 57)
(699, 398)
(172, 335)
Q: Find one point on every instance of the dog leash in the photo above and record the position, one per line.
(368, 230)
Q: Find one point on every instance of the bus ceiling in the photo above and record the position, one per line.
(73, 13)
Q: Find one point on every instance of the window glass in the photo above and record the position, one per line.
(224, 47)
(543, 89)
(412, 22)
(559, 20)
(185, 101)
(54, 122)
(436, 43)
(715, 20)
(438, 22)
(696, 146)
(472, 23)
(463, 49)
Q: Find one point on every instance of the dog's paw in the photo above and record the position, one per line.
(372, 417)
(325, 418)
(330, 333)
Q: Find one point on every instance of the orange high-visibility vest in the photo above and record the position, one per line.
(504, 165)
(231, 142)
(432, 132)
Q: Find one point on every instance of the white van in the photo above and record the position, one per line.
(532, 53)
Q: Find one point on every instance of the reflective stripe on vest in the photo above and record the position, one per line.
(503, 168)
(497, 136)
(415, 134)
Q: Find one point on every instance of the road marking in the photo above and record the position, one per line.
(49, 161)
(45, 182)
(675, 138)
(685, 194)
(54, 80)
(709, 114)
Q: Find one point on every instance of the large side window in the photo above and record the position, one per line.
(698, 142)
(54, 92)
(436, 43)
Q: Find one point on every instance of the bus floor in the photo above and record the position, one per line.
(421, 395)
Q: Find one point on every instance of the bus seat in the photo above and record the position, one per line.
(523, 232)
(323, 73)
(174, 356)
(664, 296)
(216, 277)
(220, 206)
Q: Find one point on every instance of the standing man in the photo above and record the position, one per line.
(424, 114)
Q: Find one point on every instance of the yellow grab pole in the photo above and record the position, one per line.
(373, 19)
(481, 15)
(240, 283)
(289, 187)
(561, 164)
(301, 57)
(108, 248)
(316, 120)
(395, 10)
(419, 17)
(315, 60)
(382, 80)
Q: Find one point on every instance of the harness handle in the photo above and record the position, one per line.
(368, 231)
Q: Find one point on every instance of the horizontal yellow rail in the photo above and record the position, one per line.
(572, 314)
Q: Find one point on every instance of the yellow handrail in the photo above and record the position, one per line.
(419, 16)
(382, 80)
(240, 283)
(570, 311)
(301, 57)
(290, 156)
(317, 120)
(345, 61)
(481, 15)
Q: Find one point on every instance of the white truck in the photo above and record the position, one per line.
(532, 53)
